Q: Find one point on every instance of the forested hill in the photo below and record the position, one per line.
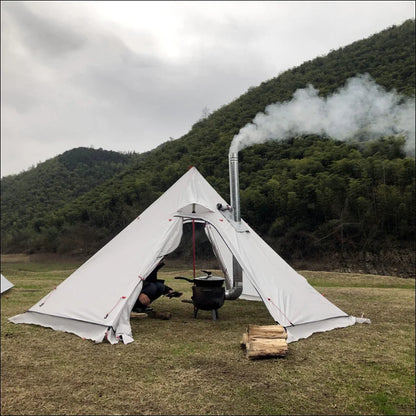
(309, 196)
(26, 198)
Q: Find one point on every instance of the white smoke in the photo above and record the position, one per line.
(361, 109)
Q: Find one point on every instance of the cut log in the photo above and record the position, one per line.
(138, 315)
(264, 341)
(282, 335)
(263, 347)
(267, 331)
(151, 314)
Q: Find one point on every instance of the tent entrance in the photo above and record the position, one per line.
(195, 246)
(203, 245)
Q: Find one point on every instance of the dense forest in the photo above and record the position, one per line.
(311, 198)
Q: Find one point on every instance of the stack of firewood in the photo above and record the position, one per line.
(264, 341)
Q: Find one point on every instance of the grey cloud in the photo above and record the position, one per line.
(71, 78)
(42, 35)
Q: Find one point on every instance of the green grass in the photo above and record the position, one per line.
(196, 366)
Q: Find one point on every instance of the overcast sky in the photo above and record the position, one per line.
(127, 76)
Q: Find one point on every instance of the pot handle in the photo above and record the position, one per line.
(184, 278)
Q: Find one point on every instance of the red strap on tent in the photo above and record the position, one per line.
(280, 311)
(193, 244)
(106, 316)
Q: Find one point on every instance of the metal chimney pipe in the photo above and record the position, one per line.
(237, 288)
(234, 186)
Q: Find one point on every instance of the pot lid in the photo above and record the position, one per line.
(211, 278)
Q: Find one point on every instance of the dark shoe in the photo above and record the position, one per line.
(174, 295)
(142, 309)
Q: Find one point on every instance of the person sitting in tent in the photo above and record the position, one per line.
(152, 289)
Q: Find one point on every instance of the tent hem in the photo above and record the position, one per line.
(306, 330)
(85, 330)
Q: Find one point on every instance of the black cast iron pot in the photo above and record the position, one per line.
(208, 293)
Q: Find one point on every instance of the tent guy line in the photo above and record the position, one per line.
(107, 314)
(291, 324)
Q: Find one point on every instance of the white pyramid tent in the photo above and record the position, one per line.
(5, 284)
(96, 300)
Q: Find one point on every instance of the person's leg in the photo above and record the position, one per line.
(152, 291)
(146, 296)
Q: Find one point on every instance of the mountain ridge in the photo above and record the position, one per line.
(109, 206)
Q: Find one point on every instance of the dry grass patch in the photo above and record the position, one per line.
(356, 280)
(195, 366)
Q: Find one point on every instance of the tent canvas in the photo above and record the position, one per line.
(96, 300)
(5, 284)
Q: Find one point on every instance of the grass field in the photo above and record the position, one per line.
(187, 366)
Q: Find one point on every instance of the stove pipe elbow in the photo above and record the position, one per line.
(233, 293)
(237, 289)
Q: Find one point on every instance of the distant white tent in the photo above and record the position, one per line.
(96, 300)
(5, 284)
